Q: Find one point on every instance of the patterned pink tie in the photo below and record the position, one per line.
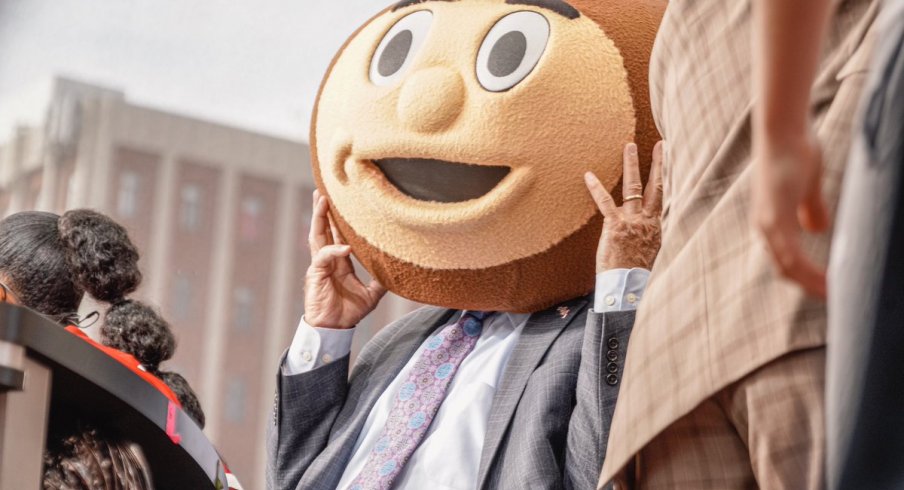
(418, 401)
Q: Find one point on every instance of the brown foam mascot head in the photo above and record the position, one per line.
(451, 138)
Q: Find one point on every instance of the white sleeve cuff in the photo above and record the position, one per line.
(314, 347)
(619, 289)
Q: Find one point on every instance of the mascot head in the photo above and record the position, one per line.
(451, 138)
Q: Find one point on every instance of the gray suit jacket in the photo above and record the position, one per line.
(548, 425)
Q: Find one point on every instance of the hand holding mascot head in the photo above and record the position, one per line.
(451, 138)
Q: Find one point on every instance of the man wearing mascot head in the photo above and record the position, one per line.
(454, 143)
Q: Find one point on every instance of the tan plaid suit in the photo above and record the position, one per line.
(714, 311)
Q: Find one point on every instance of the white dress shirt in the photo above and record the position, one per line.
(464, 414)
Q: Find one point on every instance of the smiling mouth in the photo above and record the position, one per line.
(427, 179)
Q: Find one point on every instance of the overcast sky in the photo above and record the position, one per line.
(250, 63)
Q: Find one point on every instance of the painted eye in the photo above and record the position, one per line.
(398, 47)
(511, 50)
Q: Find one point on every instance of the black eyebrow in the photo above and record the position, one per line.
(558, 6)
(408, 3)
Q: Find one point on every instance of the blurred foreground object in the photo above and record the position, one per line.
(865, 398)
(717, 324)
(89, 459)
(51, 381)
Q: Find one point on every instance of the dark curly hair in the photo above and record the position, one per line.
(186, 396)
(90, 459)
(133, 327)
(50, 261)
(100, 256)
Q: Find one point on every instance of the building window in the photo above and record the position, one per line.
(249, 226)
(126, 202)
(190, 208)
(183, 298)
(243, 314)
(236, 399)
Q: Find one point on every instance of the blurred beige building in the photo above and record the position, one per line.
(221, 218)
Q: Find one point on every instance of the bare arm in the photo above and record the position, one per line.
(788, 37)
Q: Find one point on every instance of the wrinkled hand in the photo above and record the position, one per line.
(631, 233)
(334, 297)
(786, 200)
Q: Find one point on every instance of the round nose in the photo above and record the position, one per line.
(431, 99)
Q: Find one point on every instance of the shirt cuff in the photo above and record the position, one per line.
(315, 347)
(619, 289)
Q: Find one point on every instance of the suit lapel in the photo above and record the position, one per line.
(397, 351)
(539, 333)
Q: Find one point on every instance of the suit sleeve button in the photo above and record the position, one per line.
(612, 380)
(612, 356)
(612, 343)
(612, 367)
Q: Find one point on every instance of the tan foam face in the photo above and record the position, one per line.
(572, 112)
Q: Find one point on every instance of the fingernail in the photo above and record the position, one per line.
(588, 177)
(632, 149)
